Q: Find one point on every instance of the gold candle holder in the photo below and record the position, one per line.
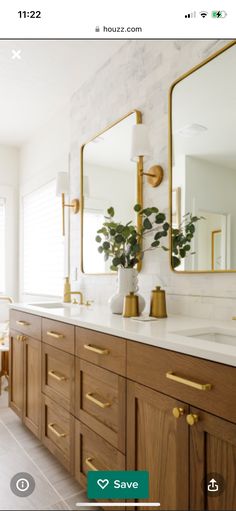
(158, 303)
(131, 306)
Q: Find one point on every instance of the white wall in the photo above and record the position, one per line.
(9, 166)
(41, 158)
(139, 76)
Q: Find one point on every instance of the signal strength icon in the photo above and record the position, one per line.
(203, 14)
(190, 15)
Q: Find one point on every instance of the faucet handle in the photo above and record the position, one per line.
(88, 303)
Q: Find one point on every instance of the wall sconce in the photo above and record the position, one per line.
(62, 189)
(141, 149)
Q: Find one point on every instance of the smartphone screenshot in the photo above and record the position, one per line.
(118, 255)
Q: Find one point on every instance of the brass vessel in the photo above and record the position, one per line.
(131, 306)
(158, 303)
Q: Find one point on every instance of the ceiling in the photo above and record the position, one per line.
(34, 88)
(208, 98)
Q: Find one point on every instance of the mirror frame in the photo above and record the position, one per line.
(139, 187)
(170, 144)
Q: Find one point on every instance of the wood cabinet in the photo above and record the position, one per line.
(25, 380)
(158, 442)
(212, 454)
(121, 404)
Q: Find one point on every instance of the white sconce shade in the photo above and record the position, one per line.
(62, 184)
(140, 145)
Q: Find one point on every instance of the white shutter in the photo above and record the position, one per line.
(2, 244)
(43, 244)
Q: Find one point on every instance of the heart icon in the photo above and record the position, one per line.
(102, 483)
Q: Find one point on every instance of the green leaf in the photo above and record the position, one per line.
(119, 238)
(166, 226)
(155, 210)
(112, 232)
(100, 250)
(165, 248)
(106, 245)
(106, 257)
(111, 211)
(160, 218)
(137, 208)
(98, 239)
(147, 224)
(113, 268)
(103, 230)
(136, 248)
(147, 211)
(155, 244)
(116, 261)
(175, 262)
(120, 228)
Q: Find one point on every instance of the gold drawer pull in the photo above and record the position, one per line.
(96, 349)
(90, 397)
(51, 426)
(21, 338)
(56, 375)
(192, 419)
(55, 335)
(22, 323)
(199, 386)
(178, 412)
(89, 463)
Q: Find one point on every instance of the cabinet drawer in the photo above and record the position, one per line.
(58, 432)
(150, 365)
(100, 402)
(101, 349)
(58, 376)
(58, 334)
(27, 324)
(93, 453)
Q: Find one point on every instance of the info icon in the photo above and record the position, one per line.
(22, 484)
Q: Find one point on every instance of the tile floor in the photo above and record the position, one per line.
(20, 451)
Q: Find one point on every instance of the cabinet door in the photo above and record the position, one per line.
(212, 453)
(32, 385)
(16, 373)
(159, 443)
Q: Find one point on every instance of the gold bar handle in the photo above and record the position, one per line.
(22, 323)
(55, 335)
(89, 463)
(199, 386)
(90, 397)
(56, 375)
(21, 338)
(52, 428)
(96, 349)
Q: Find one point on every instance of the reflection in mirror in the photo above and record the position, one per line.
(204, 162)
(109, 178)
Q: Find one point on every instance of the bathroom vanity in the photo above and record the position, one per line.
(108, 393)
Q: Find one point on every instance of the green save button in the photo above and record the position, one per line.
(119, 484)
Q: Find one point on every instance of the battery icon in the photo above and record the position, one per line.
(219, 14)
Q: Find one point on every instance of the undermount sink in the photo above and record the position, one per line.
(218, 335)
(50, 305)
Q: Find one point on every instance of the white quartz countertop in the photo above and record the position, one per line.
(163, 333)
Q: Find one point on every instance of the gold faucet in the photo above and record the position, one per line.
(67, 297)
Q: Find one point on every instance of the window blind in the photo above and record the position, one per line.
(43, 244)
(2, 244)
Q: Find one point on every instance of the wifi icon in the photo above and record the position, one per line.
(203, 14)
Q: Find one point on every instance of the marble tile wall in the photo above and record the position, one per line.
(139, 76)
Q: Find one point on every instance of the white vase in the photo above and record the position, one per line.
(127, 282)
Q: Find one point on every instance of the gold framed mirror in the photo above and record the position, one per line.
(108, 179)
(202, 166)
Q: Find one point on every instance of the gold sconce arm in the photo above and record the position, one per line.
(155, 175)
(75, 204)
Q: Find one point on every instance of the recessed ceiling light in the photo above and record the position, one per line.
(191, 130)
